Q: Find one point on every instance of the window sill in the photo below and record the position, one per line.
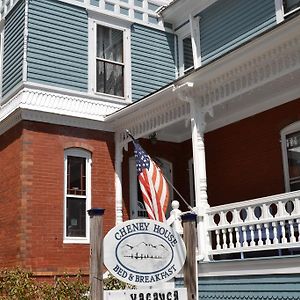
(109, 96)
(76, 241)
(292, 11)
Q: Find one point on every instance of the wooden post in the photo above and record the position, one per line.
(96, 253)
(190, 265)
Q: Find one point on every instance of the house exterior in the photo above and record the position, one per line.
(211, 89)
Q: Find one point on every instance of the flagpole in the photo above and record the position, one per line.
(181, 197)
(168, 181)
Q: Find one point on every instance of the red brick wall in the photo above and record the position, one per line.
(42, 174)
(244, 159)
(10, 196)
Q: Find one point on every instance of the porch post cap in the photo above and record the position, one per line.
(188, 217)
(96, 212)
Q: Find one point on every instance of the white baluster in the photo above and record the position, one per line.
(237, 235)
(231, 245)
(268, 241)
(224, 239)
(252, 242)
(283, 233)
(244, 230)
(275, 239)
(292, 232)
(218, 239)
(260, 241)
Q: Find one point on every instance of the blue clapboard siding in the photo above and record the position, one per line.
(261, 287)
(228, 23)
(58, 44)
(13, 48)
(152, 60)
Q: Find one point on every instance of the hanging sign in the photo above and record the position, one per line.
(143, 252)
(149, 294)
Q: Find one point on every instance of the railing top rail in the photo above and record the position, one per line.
(254, 202)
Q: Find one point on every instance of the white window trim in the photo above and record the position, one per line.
(87, 155)
(280, 13)
(133, 186)
(182, 33)
(283, 133)
(94, 20)
(190, 29)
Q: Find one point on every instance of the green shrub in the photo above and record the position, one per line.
(112, 283)
(65, 288)
(18, 284)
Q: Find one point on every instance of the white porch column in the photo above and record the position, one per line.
(197, 126)
(118, 182)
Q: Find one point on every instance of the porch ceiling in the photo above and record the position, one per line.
(257, 76)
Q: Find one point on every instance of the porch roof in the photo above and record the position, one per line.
(256, 76)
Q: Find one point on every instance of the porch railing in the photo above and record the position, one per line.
(263, 224)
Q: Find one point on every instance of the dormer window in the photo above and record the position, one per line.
(110, 61)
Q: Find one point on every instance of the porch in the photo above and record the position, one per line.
(257, 228)
(239, 117)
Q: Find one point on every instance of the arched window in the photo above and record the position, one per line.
(77, 199)
(290, 139)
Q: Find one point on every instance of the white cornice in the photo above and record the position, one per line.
(52, 107)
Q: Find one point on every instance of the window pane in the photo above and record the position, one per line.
(110, 78)
(76, 177)
(109, 44)
(76, 217)
(293, 153)
(187, 53)
(290, 5)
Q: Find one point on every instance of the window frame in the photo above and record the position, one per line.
(183, 32)
(289, 12)
(292, 128)
(94, 21)
(82, 153)
(189, 29)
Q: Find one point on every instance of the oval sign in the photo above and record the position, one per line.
(143, 252)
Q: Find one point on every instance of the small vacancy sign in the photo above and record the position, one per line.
(149, 294)
(143, 252)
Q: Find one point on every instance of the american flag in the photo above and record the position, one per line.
(153, 185)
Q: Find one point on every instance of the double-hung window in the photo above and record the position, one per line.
(109, 61)
(77, 195)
